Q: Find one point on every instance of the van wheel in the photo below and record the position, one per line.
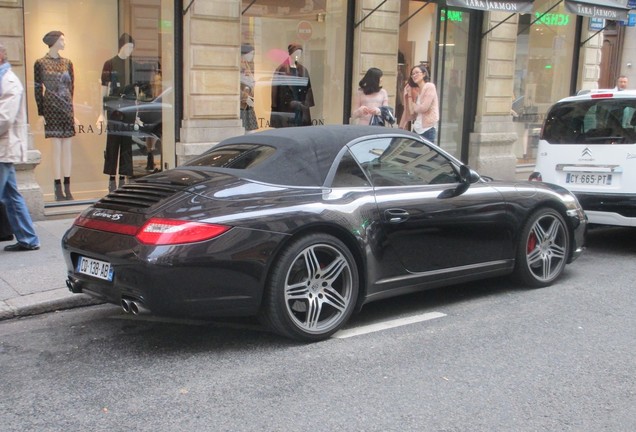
(543, 249)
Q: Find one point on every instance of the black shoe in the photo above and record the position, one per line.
(6, 238)
(19, 247)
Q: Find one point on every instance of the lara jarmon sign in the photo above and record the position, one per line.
(605, 9)
(512, 6)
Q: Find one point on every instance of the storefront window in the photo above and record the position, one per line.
(416, 47)
(453, 51)
(292, 63)
(545, 46)
(99, 92)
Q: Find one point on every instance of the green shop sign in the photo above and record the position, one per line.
(450, 15)
(554, 20)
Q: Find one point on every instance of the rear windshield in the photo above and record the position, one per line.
(595, 121)
(238, 156)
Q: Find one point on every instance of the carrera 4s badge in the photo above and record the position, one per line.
(107, 215)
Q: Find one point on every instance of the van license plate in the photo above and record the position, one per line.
(95, 268)
(589, 179)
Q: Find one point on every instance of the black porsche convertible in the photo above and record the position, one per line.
(303, 226)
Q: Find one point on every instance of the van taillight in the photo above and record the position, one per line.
(602, 95)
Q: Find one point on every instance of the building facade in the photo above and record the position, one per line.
(154, 82)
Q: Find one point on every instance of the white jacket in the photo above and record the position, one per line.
(13, 120)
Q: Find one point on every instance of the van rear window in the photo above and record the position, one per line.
(596, 121)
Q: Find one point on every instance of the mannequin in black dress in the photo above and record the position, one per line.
(54, 82)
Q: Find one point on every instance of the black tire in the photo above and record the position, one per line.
(543, 249)
(312, 289)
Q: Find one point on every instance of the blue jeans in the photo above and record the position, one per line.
(430, 135)
(17, 211)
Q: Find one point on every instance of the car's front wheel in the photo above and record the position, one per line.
(312, 289)
(543, 248)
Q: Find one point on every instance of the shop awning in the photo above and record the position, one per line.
(511, 6)
(606, 9)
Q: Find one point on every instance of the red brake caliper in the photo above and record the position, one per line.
(532, 243)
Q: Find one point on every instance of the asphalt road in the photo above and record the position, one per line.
(488, 356)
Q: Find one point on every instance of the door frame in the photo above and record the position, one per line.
(471, 80)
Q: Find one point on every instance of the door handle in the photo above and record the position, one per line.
(396, 215)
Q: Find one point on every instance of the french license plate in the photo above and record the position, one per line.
(589, 179)
(95, 268)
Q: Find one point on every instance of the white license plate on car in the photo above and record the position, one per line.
(589, 179)
(95, 268)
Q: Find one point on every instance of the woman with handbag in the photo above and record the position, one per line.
(424, 103)
(371, 96)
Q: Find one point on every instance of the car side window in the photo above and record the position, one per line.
(349, 173)
(402, 161)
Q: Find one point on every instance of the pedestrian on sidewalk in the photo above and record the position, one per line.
(13, 149)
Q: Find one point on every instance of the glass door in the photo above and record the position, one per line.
(451, 74)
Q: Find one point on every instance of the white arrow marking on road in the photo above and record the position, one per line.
(357, 331)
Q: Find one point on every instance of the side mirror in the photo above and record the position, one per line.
(466, 177)
(465, 174)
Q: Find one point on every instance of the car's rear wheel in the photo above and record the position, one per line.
(543, 248)
(312, 289)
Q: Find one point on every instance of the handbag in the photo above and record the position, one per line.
(376, 120)
(386, 117)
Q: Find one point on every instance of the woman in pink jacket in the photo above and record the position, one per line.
(423, 103)
(371, 96)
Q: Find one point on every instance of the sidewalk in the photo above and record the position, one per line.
(34, 282)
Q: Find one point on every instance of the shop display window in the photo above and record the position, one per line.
(545, 46)
(292, 63)
(99, 80)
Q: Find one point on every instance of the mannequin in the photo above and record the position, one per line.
(117, 81)
(291, 97)
(248, 116)
(53, 84)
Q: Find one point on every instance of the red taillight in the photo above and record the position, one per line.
(602, 95)
(169, 231)
(106, 225)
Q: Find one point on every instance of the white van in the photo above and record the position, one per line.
(588, 145)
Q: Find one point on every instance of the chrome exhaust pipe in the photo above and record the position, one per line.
(126, 305)
(73, 285)
(133, 306)
(137, 308)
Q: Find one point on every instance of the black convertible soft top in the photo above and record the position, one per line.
(303, 155)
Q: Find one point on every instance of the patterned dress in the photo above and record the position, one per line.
(54, 80)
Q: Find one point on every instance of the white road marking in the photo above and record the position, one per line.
(385, 325)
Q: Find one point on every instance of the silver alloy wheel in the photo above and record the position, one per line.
(318, 289)
(546, 247)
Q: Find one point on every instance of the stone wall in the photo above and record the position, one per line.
(491, 144)
(211, 61)
(590, 60)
